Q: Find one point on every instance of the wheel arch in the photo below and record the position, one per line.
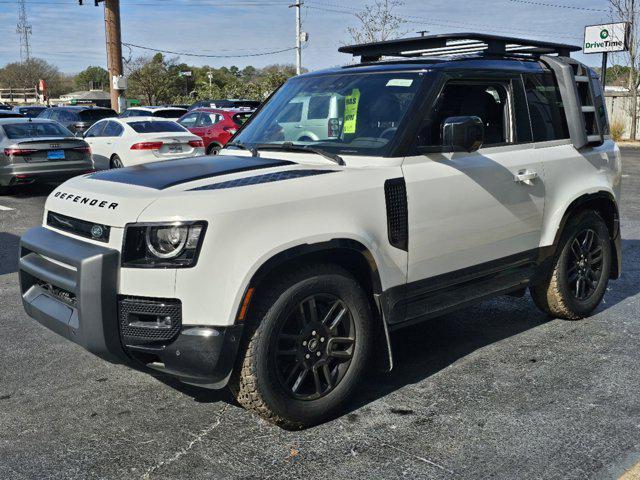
(604, 203)
(348, 253)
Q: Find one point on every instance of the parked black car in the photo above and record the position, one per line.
(77, 119)
(30, 111)
(227, 103)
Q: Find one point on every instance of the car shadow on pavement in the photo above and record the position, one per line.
(28, 191)
(8, 253)
(423, 350)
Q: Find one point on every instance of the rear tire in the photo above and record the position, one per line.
(115, 162)
(578, 277)
(213, 149)
(317, 320)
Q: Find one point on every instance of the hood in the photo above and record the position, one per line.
(117, 197)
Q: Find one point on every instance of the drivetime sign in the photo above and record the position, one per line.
(611, 37)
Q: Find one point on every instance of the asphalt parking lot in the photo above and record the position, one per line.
(496, 391)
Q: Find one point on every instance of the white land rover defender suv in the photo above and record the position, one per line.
(460, 167)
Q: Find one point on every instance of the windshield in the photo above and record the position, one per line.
(95, 115)
(156, 127)
(345, 113)
(35, 129)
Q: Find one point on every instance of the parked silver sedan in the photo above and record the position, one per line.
(36, 149)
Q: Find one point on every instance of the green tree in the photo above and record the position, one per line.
(29, 73)
(92, 78)
(154, 79)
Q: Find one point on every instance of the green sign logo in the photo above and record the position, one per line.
(604, 34)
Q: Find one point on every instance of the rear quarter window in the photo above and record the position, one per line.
(548, 119)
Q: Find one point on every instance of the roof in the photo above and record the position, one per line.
(79, 107)
(156, 107)
(446, 45)
(231, 111)
(5, 120)
(139, 119)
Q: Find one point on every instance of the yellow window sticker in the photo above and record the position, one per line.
(351, 111)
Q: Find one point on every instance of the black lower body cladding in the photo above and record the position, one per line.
(70, 287)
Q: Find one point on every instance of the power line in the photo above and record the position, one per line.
(417, 20)
(202, 55)
(554, 5)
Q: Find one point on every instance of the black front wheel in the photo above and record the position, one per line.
(309, 339)
(578, 278)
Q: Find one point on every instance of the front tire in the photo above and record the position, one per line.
(578, 278)
(308, 342)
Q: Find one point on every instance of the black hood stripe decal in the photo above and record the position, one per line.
(267, 178)
(161, 175)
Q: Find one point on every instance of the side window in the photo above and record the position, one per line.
(65, 116)
(189, 121)
(206, 120)
(54, 115)
(112, 129)
(548, 120)
(319, 107)
(486, 100)
(95, 130)
(291, 113)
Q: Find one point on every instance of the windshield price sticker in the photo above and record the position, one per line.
(351, 111)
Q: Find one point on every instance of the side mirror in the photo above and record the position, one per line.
(462, 134)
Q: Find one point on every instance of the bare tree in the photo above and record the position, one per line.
(377, 22)
(625, 11)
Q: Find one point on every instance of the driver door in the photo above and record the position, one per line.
(469, 219)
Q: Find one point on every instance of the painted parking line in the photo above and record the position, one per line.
(2, 207)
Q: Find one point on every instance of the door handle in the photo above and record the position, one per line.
(525, 176)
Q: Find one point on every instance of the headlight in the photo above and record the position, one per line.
(172, 245)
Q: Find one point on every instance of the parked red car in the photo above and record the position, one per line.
(215, 126)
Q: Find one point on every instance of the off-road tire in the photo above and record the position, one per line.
(256, 388)
(115, 162)
(553, 295)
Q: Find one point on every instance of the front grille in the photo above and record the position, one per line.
(82, 228)
(149, 321)
(395, 192)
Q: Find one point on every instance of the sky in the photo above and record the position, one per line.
(72, 36)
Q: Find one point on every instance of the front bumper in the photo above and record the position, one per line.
(70, 287)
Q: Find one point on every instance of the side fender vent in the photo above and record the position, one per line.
(395, 194)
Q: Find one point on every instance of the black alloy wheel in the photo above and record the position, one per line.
(314, 347)
(585, 264)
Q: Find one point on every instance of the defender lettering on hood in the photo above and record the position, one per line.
(93, 202)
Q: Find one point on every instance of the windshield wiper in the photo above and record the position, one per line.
(242, 146)
(291, 147)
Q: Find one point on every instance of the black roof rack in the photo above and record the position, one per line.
(453, 44)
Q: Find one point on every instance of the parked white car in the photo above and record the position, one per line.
(123, 142)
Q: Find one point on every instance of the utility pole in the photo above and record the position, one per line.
(24, 30)
(298, 7)
(114, 51)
